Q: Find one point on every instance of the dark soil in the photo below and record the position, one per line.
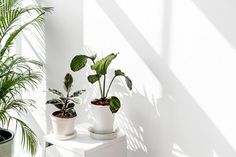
(5, 136)
(60, 114)
(101, 102)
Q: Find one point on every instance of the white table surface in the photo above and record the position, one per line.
(83, 144)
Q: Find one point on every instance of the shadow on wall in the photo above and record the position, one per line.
(220, 14)
(183, 127)
(34, 46)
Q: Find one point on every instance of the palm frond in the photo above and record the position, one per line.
(28, 140)
(10, 13)
(17, 73)
(13, 35)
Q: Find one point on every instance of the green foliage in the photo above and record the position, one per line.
(16, 73)
(65, 103)
(127, 79)
(100, 67)
(79, 61)
(114, 104)
(68, 82)
(94, 78)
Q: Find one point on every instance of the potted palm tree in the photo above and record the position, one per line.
(64, 118)
(16, 74)
(106, 106)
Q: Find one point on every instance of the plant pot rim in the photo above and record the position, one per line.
(66, 118)
(9, 139)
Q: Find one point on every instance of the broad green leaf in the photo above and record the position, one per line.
(101, 66)
(71, 105)
(56, 102)
(56, 92)
(127, 79)
(77, 93)
(71, 111)
(75, 100)
(119, 73)
(93, 78)
(78, 62)
(114, 104)
(63, 99)
(68, 80)
(128, 82)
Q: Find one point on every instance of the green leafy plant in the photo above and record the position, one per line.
(100, 67)
(65, 103)
(16, 73)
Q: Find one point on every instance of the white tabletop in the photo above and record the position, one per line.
(83, 144)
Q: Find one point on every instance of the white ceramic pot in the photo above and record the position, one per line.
(63, 126)
(104, 119)
(6, 147)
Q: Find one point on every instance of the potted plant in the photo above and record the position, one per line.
(64, 118)
(104, 107)
(16, 74)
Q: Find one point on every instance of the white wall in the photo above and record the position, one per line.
(181, 57)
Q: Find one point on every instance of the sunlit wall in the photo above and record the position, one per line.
(181, 57)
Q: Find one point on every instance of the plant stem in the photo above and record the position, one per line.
(99, 82)
(110, 85)
(104, 85)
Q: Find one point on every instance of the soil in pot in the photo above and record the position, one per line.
(102, 102)
(60, 114)
(5, 136)
(6, 143)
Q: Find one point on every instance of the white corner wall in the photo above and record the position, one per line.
(181, 57)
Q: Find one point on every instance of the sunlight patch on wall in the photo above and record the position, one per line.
(178, 152)
(106, 38)
(204, 61)
(135, 140)
(148, 21)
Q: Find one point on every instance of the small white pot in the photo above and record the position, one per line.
(104, 119)
(6, 147)
(63, 126)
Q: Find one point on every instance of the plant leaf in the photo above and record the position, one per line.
(127, 79)
(93, 78)
(17, 31)
(28, 138)
(119, 73)
(101, 66)
(56, 102)
(78, 62)
(56, 92)
(114, 104)
(128, 82)
(75, 100)
(71, 111)
(71, 105)
(68, 82)
(77, 93)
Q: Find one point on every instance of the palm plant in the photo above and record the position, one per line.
(16, 73)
